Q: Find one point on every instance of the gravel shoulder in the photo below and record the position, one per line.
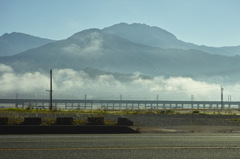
(183, 123)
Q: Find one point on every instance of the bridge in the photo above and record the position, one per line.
(118, 104)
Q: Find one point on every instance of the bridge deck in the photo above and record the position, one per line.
(121, 104)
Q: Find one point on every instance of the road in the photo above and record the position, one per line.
(171, 145)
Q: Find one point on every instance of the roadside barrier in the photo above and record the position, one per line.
(3, 121)
(32, 121)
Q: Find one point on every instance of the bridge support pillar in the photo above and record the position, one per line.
(36, 105)
(65, 105)
(210, 106)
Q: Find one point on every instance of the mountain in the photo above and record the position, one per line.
(232, 49)
(13, 43)
(147, 35)
(97, 49)
(157, 37)
(89, 48)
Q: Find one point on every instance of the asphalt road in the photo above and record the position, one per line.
(176, 145)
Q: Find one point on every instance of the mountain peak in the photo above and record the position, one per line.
(153, 36)
(89, 34)
(18, 35)
(11, 34)
(15, 42)
(136, 27)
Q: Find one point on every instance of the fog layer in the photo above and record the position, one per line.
(71, 84)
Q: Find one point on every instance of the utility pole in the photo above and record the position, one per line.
(222, 97)
(85, 104)
(50, 104)
(192, 97)
(16, 100)
(120, 106)
(229, 98)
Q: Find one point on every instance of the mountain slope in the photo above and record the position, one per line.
(157, 37)
(13, 43)
(87, 48)
(144, 34)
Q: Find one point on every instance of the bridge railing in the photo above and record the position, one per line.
(120, 104)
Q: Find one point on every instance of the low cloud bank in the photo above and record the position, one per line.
(71, 84)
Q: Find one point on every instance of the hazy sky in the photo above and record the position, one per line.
(204, 22)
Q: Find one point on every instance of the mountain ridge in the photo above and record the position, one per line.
(15, 42)
(136, 32)
(97, 49)
(157, 37)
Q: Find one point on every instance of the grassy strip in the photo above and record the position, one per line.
(124, 111)
(16, 115)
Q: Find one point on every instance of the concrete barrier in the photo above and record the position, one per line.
(3, 121)
(68, 129)
(32, 121)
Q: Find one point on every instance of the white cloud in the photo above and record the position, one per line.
(94, 42)
(5, 68)
(68, 83)
(72, 48)
(91, 49)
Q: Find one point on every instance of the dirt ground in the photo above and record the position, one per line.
(188, 129)
(186, 123)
